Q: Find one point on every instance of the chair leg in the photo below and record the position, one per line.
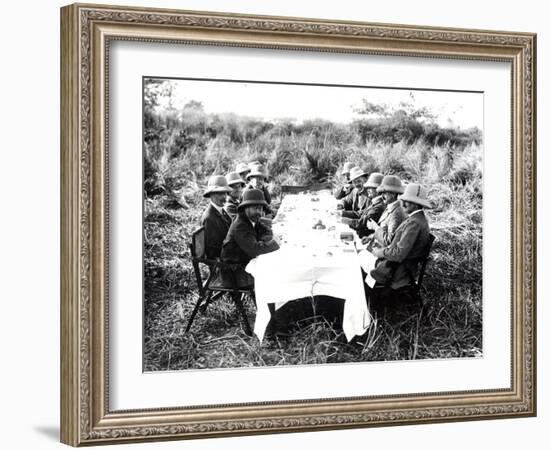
(210, 299)
(253, 297)
(196, 309)
(418, 298)
(416, 295)
(237, 299)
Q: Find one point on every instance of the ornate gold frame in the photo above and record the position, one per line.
(85, 34)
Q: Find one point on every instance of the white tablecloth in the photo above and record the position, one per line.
(310, 262)
(367, 261)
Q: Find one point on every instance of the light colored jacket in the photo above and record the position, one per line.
(389, 221)
(409, 245)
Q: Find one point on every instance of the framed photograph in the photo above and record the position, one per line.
(276, 224)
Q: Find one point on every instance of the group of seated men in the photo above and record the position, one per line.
(388, 216)
(390, 219)
(234, 231)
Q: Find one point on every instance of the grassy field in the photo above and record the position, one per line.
(181, 152)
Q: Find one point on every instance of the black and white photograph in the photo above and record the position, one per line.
(288, 223)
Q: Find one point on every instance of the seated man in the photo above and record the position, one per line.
(347, 187)
(373, 210)
(248, 237)
(392, 216)
(399, 260)
(257, 179)
(243, 170)
(215, 220)
(357, 199)
(236, 183)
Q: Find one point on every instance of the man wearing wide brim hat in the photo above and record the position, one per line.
(233, 178)
(257, 170)
(215, 219)
(417, 195)
(374, 208)
(410, 243)
(248, 237)
(242, 169)
(357, 199)
(257, 179)
(374, 181)
(252, 197)
(393, 215)
(347, 186)
(236, 183)
(390, 183)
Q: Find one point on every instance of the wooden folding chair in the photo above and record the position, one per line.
(414, 288)
(212, 288)
(416, 283)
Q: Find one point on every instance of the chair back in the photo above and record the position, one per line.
(198, 243)
(425, 260)
(197, 247)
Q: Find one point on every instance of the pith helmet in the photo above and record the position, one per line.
(415, 193)
(257, 170)
(391, 183)
(216, 183)
(356, 172)
(374, 180)
(252, 197)
(242, 169)
(234, 178)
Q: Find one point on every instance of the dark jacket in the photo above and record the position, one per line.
(267, 195)
(231, 207)
(354, 202)
(216, 226)
(245, 241)
(374, 209)
(410, 244)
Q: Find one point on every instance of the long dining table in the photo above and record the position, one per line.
(317, 257)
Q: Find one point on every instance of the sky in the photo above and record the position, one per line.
(337, 104)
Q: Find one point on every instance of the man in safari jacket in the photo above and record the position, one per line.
(411, 240)
(392, 216)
